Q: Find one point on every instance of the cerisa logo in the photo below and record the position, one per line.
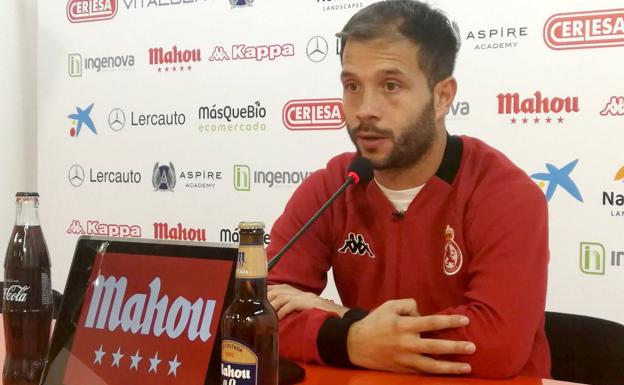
(313, 114)
(81, 11)
(590, 29)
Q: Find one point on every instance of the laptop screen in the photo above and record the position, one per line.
(141, 312)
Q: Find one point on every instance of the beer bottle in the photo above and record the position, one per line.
(249, 325)
(27, 298)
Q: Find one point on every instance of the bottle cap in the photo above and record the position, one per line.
(27, 194)
(251, 226)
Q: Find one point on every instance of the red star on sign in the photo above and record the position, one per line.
(560, 119)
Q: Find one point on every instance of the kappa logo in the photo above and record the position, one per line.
(614, 107)
(453, 258)
(355, 244)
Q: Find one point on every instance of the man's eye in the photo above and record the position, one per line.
(351, 87)
(391, 86)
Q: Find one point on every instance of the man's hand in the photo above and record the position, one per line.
(286, 299)
(389, 339)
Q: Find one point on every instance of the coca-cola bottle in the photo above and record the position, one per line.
(27, 300)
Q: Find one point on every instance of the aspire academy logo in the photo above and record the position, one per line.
(589, 29)
(148, 320)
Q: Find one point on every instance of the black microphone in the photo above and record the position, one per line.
(360, 170)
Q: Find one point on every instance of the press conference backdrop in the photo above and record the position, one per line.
(179, 118)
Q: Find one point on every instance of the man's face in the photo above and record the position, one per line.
(388, 105)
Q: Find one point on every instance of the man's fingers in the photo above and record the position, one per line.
(432, 323)
(285, 310)
(432, 346)
(430, 365)
(279, 301)
(404, 307)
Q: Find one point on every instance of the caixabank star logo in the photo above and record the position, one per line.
(148, 320)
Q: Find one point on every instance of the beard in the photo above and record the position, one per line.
(410, 145)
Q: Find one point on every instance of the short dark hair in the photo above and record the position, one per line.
(437, 36)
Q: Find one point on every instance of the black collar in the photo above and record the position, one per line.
(451, 159)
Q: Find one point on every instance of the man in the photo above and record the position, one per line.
(441, 261)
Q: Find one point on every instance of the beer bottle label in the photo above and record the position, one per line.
(251, 262)
(239, 364)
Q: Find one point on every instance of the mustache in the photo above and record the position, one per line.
(370, 128)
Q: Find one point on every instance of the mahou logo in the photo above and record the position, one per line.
(174, 59)
(178, 232)
(313, 114)
(104, 229)
(590, 29)
(148, 320)
(536, 109)
(81, 11)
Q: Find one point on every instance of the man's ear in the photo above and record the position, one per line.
(443, 95)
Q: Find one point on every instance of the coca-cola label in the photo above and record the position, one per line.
(148, 320)
(16, 293)
(27, 289)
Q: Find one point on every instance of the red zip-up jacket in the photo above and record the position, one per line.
(473, 242)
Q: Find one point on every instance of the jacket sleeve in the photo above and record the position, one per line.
(304, 266)
(507, 235)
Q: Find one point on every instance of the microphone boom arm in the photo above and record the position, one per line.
(350, 180)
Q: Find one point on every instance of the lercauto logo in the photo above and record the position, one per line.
(313, 114)
(590, 29)
(558, 177)
(80, 11)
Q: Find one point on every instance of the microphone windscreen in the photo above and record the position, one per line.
(363, 168)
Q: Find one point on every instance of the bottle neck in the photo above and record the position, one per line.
(251, 272)
(251, 289)
(27, 213)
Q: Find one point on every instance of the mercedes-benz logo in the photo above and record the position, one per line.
(317, 49)
(116, 119)
(76, 175)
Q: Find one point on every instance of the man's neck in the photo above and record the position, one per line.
(416, 174)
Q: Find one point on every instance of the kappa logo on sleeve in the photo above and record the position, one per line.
(355, 244)
(453, 258)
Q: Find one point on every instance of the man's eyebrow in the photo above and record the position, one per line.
(386, 72)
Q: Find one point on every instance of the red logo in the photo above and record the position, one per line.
(615, 107)
(175, 59)
(81, 11)
(148, 320)
(178, 232)
(591, 29)
(313, 114)
(551, 107)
